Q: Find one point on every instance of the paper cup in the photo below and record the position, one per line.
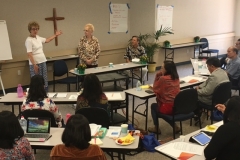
(124, 128)
(111, 65)
(75, 69)
(196, 73)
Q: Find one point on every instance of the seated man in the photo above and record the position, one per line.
(206, 89)
(233, 67)
(224, 61)
(134, 50)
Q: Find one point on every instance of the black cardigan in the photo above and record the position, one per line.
(225, 144)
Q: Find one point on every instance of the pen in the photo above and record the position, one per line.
(55, 95)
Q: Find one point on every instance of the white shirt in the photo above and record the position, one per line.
(34, 45)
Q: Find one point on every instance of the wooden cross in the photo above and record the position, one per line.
(55, 19)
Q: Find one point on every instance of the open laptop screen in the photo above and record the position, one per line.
(38, 125)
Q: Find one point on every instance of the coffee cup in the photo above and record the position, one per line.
(75, 69)
(124, 128)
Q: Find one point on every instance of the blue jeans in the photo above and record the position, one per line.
(155, 113)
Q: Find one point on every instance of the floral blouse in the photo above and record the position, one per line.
(88, 50)
(132, 52)
(46, 104)
(21, 151)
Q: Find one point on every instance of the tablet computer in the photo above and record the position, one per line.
(201, 138)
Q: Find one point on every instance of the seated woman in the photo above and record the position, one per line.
(37, 99)
(76, 137)
(226, 140)
(13, 145)
(92, 95)
(166, 86)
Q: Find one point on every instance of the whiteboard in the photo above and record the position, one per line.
(5, 49)
(164, 16)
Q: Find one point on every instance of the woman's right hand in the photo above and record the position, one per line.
(36, 69)
(221, 107)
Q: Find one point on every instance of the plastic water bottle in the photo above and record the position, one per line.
(138, 86)
(20, 91)
(67, 116)
(23, 123)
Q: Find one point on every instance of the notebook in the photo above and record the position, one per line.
(38, 129)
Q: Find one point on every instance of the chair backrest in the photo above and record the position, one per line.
(95, 115)
(40, 113)
(185, 102)
(221, 93)
(59, 68)
(203, 46)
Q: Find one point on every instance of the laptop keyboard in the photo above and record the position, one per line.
(36, 135)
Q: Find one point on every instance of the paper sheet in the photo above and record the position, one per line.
(59, 95)
(113, 131)
(98, 141)
(113, 96)
(176, 148)
(188, 78)
(73, 96)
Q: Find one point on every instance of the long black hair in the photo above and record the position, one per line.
(232, 111)
(92, 89)
(171, 69)
(36, 90)
(77, 132)
(10, 130)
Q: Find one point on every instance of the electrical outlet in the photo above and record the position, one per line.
(19, 72)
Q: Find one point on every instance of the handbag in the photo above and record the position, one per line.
(217, 115)
(150, 142)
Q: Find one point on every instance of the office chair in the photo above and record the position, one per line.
(208, 51)
(59, 69)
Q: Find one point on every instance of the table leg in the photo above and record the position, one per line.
(19, 108)
(146, 116)
(132, 78)
(165, 53)
(127, 105)
(12, 108)
(133, 111)
(78, 83)
(141, 78)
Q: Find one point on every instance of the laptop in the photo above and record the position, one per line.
(38, 129)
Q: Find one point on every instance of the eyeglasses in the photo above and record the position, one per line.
(35, 29)
(85, 30)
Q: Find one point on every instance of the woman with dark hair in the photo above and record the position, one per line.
(12, 143)
(166, 86)
(37, 99)
(76, 138)
(92, 95)
(226, 140)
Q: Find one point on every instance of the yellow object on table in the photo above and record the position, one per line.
(145, 86)
(126, 140)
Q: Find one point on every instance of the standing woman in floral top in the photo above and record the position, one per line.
(89, 48)
(37, 99)
(13, 145)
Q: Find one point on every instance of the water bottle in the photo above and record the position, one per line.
(20, 91)
(138, 86)
(67, 116)
(23, 123)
